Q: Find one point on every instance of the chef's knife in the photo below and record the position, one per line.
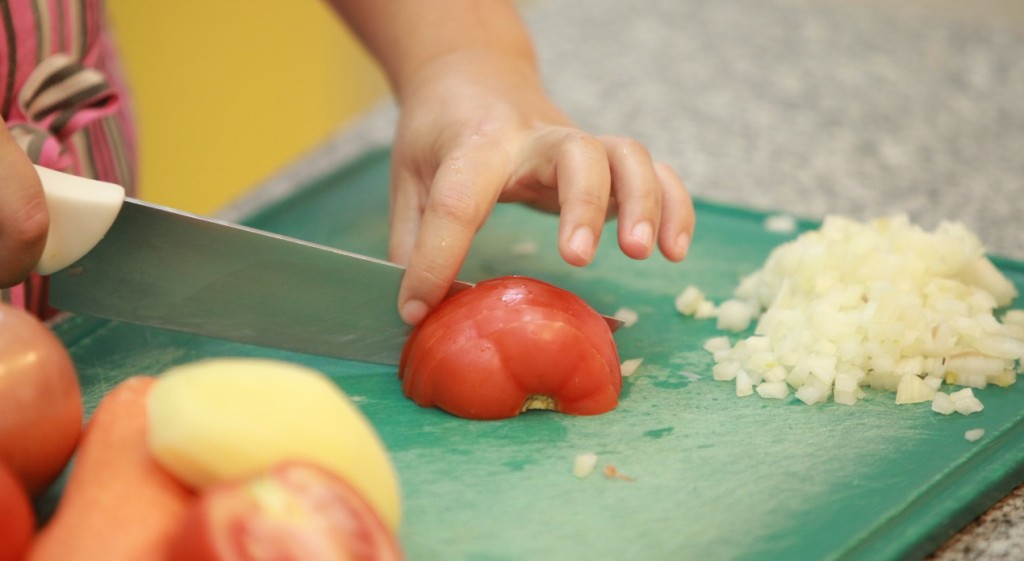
(123, 259)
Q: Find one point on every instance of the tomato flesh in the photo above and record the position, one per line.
(295, 512)
(510, 344)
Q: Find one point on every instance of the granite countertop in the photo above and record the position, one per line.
(811, 107)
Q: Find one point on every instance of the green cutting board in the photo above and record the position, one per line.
(715, 476)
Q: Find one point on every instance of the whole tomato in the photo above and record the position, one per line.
(17, 521)
(508, 345)
(40, 400)
(295, 512)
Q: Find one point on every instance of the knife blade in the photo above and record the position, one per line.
(174, 270)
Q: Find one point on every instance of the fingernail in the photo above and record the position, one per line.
(643, 233)
(582, 242)
(413, 312)
(683, 244)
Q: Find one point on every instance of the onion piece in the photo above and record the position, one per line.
(773, 390)
(913, 390)
(629, 366)
(780, 224)
(629, 316)
(735, 315)
(584, 465)
(744, 386)
(965, 402)
(689, 300)
(943, 404)
(974, 434)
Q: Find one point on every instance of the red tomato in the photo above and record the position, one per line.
(508, 345)
(17, 521)
(40, 400)
(295, 512)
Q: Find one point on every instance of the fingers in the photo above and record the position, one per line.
(405, 212)
(461, 195)
(583, 179)
(597, 178)
(24, 220)
(638, 190)
(678, 218)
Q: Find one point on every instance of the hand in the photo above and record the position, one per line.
(24, 219)
(477, 129)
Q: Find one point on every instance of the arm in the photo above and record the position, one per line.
(23, 217)
(476, 128)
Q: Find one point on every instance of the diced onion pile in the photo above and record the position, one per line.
(884, 304)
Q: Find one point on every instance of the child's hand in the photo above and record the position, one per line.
(477, 129)
(23, 217)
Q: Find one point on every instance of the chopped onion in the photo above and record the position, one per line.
(965, 402)
(744, 386)
(773, 390)
(884, 304)
(706, 309)
(735, 315)
(716, 344)
(689, 300)
(974, 434)
(629, 366)
(780, 223)
(913, 390)
(942, 403)
(584, 464)
(629, 316)
(1014, 318)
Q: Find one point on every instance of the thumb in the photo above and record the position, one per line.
(24, 219)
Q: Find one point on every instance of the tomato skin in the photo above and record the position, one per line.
(17, 520)
(295, 512)
(40, 400)
(511, 343)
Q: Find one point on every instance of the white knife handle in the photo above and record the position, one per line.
(81, 212)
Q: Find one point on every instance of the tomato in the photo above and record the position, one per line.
(295, 512)
(40, 400)
(508, 345)
(17, 521)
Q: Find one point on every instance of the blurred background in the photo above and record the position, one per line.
(226, 93)
(860, 107)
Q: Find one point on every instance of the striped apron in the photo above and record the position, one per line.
(62, 99)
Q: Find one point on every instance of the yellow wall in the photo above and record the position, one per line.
(227, 92)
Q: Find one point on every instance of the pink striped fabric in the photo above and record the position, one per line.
(62, 98)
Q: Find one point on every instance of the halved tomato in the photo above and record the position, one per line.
(295, 512)
(508, 345)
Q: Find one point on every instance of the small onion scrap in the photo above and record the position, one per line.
(583, 465)
(882, 304)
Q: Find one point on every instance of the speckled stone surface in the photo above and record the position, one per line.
(811, 107)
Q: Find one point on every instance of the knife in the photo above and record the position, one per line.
(119, 258)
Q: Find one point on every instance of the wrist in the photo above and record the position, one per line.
(480, 67)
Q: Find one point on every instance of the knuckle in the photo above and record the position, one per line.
(630, 148)
(582, 145)
(455, 206)
(591, 202)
